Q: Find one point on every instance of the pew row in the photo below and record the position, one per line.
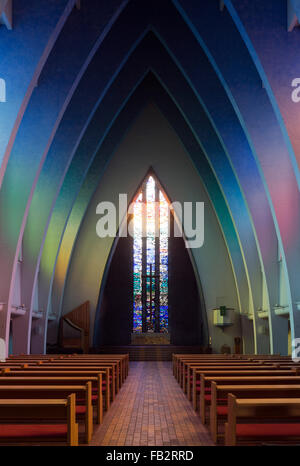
(114, 380)
(235, 371)
(96, 382)
(34, 420)
(121, 359)
(194, 374)
(219, 400)
(53, 370)
(177, 359)
(83, 397)
(205, 389)
(262, 420)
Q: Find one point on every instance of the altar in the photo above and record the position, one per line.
(150, 338)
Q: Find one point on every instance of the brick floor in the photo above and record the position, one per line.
(151, 409)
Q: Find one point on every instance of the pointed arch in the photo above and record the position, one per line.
(98, 334)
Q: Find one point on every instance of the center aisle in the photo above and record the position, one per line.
(151, 409)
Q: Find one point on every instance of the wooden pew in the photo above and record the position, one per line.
(186, 358)
(82, 392)
(15, 365)
(185, 361)
(219, 399)
(194, 381)
(205, 395)
(117, 363)
(41, 371)
(261, 420)
(121, 363)
(206, 381)
(112, 366)
(188, 364)
(124, 358)
(121, 359)
(49, 371)
(23, 420)
(34, 363)
(194, 371)
(54, 379)
(176, 358)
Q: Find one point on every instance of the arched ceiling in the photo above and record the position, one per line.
(79, 80)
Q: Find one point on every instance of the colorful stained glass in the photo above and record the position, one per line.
(163, 263)
(150, 241)
(151, 211)
(137, 264)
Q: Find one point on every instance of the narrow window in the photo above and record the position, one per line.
(150, 259)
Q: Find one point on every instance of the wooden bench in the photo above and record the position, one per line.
(123, 358)
(45, 364)
(120, 362)
(112, 366)
(194, 372)
(17, 365)
(176, 359)
(83, 393)
(206, 381)
(23, 420)
(188, 358)
(219, 399)
(61, 371)
(116, 365)
(205, 389)
(187, 366)
(183, 362)
(96, 381)
(261, 420)
(194, 382)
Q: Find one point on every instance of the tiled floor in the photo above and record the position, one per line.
(151, 409)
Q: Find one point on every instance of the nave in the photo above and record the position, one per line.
(107, 400)
(149, 205)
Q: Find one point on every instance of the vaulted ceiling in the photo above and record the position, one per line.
(77, 74)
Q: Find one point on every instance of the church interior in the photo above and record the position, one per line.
(149, 222)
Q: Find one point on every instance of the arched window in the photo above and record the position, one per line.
(150, 259)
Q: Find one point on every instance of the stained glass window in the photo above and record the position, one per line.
(150, 259)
